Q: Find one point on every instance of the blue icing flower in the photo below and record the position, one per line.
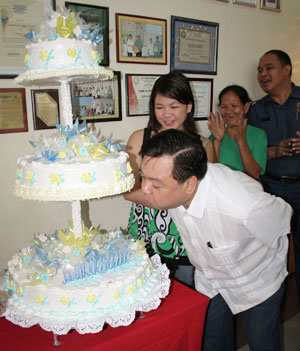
(83, 150)
(77, 252)
(27, 259)
(44, 277)
(65, 261)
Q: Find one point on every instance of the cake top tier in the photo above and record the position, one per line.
(65, 49)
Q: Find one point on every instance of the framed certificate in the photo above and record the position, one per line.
(141, 39)
(13, 115)
(18, 17)
(203, 96)
(45, 108)
(194, 45)
(138, 91)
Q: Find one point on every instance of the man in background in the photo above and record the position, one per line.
(278, 114)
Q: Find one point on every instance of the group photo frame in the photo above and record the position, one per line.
(97, 100)
(270, 5)
(95, 16)
(194, 46)
(141, 39)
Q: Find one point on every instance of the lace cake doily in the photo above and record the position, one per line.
(95, 325)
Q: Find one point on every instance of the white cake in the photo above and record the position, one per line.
(77, 278)
(72, 165)
(63, 284)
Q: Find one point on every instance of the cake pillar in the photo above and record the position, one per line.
(67, 116)
(76, 217)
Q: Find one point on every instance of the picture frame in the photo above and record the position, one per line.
(138, 91)
(270, 5)
(97, 101)
(15, 25)
(13, 112)
(95, 15)
(203, 95)
(141, 39)
(250, 3)
(45, 108)
(187, 55)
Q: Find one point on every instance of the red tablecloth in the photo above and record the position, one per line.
(177, 325)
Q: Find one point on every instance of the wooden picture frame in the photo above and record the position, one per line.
(270, 5)
(141, 39)
(203, 95)
(13, 112)
(15, 25)
(250, 3)
(138, 91)
(186, 53)
(97, 101)
(45, 108)
(95, 15)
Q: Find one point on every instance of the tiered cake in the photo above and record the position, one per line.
(77, 278)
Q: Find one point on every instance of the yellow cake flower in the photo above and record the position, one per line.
(65, 300)
(140, 281)
(11, 284)
(62, 155)
(39, 298)
(29, 176)
(55, 178)
(44, 55)
(86, 177)
(72, 53)
(91, 298)
(117, 174)
(148, 272)
(117, 294)
(26, 58)
(131, 289)
(128, 167)
(20, 291)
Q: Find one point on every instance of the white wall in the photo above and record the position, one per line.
(245, 34)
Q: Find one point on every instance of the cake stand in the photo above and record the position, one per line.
(123, 318)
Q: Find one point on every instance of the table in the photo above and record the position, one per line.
(177, 325)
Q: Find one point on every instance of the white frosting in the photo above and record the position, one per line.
(98, 294)
(61, 58)
(74, 180)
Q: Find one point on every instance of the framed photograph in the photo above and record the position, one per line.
(17, 20)
(203, 95)
(141, 39)
(97, 101)
(194, 45)
(251, 3)
(138, 91)
(13, 115)
(270, 5)
(94, 16)
(45, 108)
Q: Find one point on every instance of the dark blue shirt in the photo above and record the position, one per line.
(279, 122)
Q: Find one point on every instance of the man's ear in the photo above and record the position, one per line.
(191, 185)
